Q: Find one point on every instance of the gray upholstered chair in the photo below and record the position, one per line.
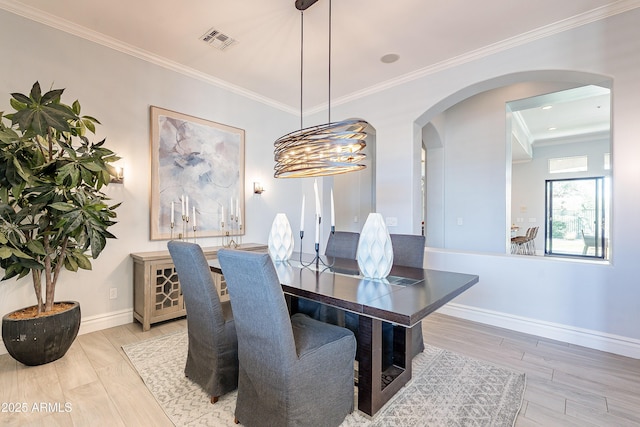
(293, 370)
(342, 244)
(408, 251)
(212, 359)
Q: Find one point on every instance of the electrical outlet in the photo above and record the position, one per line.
(392, 221)
(113, 293)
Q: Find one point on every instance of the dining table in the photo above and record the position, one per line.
(403, 298)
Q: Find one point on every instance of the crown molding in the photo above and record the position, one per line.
(546, 31)
(99, 38)
(524, 38)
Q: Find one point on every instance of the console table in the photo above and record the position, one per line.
(156, 290)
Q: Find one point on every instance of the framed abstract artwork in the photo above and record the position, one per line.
(197, 177)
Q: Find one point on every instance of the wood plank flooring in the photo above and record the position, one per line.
(95, 385)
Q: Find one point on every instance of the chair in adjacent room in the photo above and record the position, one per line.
(293, 370)
(408, 251)
(524, 245)
(589, 241)
(212, 358)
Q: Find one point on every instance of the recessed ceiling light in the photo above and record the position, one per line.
(389, 58)
(547, 107)
(552, 128)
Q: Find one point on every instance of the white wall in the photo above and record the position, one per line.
(118, 90)
(600, 300)
(595, 304)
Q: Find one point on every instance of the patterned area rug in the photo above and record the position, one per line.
(447, 389)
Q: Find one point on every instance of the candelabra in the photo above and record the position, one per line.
(316, 259)
(227, 240)
(184, 235)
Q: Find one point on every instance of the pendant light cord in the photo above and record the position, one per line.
(329, 98)
(301, 61)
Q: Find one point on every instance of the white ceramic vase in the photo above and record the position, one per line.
(280, 239)
(375, 253)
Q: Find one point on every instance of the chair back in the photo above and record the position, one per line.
(260, 312)
(342, 244)
(534, 233)
(199, 290)
(408, 250)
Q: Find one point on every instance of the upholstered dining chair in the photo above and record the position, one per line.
(293, 370)
(341, 244)
(212, 357)
(408, 251)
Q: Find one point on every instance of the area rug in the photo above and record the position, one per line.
(447, 389)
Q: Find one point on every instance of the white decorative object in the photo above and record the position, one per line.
(375, 253)
(280, 239)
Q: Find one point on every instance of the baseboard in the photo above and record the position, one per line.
(106, 320)
(610, 343)
(97, 323)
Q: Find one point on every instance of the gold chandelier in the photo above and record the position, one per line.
(327, 149)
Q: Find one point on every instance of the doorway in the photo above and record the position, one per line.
(575, 217)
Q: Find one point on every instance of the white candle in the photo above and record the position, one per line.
(182, 201)
(315, 189)
(302, 216)
(239, 217)
(194, 216)
(186, 205)
(222, 217)
(238, 211)
(333, 211)
(317, 230)
(172, 214)
(231, 207)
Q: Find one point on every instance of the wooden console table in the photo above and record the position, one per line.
(156, 290)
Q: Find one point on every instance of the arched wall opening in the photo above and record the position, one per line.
(466, 192)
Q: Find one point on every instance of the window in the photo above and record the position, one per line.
(568, 164)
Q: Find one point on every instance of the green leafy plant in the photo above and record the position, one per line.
(52, 210)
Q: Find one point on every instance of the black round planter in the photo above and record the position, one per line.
(43, 339)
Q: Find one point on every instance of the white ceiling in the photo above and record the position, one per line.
(428, 35)
(569, 116)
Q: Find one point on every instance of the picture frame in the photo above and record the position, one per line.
(197, 166)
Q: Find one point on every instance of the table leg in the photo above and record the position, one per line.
(373, 392)
(369, 357)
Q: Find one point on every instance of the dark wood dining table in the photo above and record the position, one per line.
(405, 297)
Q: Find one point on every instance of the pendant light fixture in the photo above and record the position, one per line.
(327, 149)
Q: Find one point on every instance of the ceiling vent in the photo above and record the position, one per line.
(217, 39)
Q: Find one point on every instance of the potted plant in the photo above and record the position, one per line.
(53, 214)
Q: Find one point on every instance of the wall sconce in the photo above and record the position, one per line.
(118, 178)
(257, 188)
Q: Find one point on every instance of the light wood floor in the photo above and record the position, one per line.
(566, 385)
